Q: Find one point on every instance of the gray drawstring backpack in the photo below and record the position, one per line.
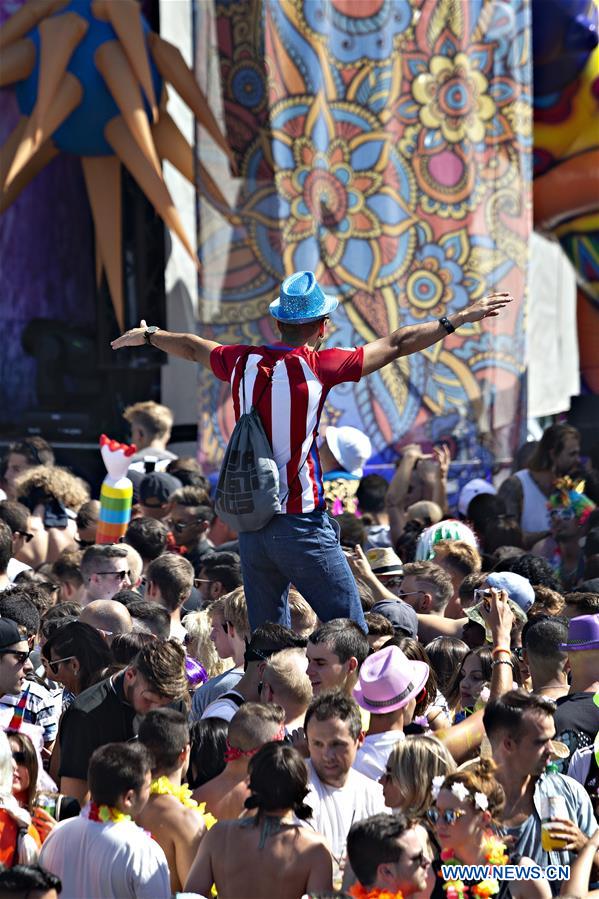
(247, 492)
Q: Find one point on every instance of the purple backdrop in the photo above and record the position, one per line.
(46, 259)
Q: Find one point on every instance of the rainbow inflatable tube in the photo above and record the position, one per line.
(116, 495)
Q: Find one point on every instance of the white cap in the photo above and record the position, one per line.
(350, 447)
(470, 490)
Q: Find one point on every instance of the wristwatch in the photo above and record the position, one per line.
(149, 333)
(446, 324)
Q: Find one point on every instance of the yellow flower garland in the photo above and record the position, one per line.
(163, 787)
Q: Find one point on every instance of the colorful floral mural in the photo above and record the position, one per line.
(386, 145)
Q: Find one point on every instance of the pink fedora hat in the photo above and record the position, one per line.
(388, 680)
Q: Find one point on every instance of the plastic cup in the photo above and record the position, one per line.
(552, 807)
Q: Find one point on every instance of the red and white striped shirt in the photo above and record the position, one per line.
(289, 407)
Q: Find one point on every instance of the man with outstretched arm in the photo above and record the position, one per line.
(289, 382)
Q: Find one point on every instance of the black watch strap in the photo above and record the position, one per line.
(149, 333)
(446, 324)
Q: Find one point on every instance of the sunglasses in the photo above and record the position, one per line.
(19, 757)
(402, 593)
(483, 594)
(27, 537)
(179, 526)
(393, 582)
(450, 815)
(21, 657)
(121, 575)
(83, 544)
(566, 514)
(420, 860)
(53, 665)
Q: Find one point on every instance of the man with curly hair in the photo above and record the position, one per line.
(53, 496)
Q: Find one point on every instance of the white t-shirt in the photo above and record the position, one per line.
(177, 632)
(335, 809)
(106, 861)
(15, 567)
(223, 708)
(372, 756)
(580, 764)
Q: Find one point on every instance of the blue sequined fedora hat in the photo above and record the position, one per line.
(302, 300)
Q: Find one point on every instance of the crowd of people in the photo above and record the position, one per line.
(370, 690)
(156, 742)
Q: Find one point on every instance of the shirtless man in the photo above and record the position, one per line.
(171, 816)
(247, 857)
(251, 727)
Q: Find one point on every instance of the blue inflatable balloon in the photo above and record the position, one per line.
(82, 133)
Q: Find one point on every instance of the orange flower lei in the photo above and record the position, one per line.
(494, 853)
(360, 892)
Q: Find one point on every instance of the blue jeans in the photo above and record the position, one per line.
(302, 550)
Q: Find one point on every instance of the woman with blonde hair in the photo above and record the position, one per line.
(411, 766)
(199, 643)
(467, 807)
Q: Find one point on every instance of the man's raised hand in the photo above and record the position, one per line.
(487, 306)
(133, 337)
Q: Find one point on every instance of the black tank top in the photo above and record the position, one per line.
(504, 885)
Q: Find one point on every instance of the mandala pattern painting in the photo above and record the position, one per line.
(386, 145)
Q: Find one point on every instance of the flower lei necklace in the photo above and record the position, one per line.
(494, 853)
(360, 892)
(105, 814)
(163, 787)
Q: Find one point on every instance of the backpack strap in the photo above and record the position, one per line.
(263, 391)
(232, 697)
